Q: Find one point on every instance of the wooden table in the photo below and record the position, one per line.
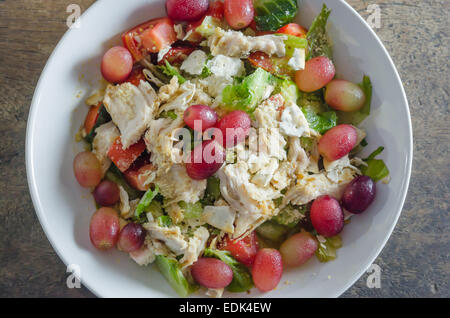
(415, 261)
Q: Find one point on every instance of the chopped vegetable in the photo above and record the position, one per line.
(376, 168)
(247, 93)
(288, 89)
(272, 231)
(162, 36)
(319, 44)
(191, 210)
(356, 117)
(164, 221)
(171, 71)
(170, 269)
(145, 201)
(290, 216)
(114, 175)
(101, 118)
(272, 15)
(320, 122)
(208, 26)
(124, 158)
(212, 192)
(327, 250)
(242, 280)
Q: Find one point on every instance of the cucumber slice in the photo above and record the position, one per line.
(272, 231)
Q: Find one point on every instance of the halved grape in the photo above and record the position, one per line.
(318, 72)
(337, 142)
(212, 273)
(205, 160)
(267, 269)
(327, 216)
(87, 169)
(106, 193)
(235, 126)
(104, 228)
(298, 249)
(239, 13)
(200, 117)
(344, 95)
(186, 10)
(359, 194)
(131, 238)
(117, 64)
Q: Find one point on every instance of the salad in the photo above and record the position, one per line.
(223, 147)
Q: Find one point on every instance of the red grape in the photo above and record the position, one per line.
(104, 228)
(337, 142)
(344, 95)
(186, 10)
(131, 238)
(244, 250)
(359, 194)
(235, 126)
(267, 269)
(87, 169)
(318, 72)
(298, 249)
(117, 64)
(204, 115)
(211, 273)
(106, 193)
(239, 13)
(327, 216)
(205, 160)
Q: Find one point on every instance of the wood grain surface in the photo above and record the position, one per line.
(415, 261)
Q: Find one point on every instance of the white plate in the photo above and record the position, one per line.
(64, 208)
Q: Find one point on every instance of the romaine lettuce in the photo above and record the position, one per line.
(319, 43)
(245, 94)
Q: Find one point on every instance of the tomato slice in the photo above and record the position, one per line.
(244, 251)
(294, 29)
(176, 55)
(137, 178)
(262, 60)
(123, 159)
(163, 35)
(91, 118)
(136, 76)
(160, 36)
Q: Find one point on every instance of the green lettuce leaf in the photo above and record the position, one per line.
(171, 71)
(270, 15)
(320, 122)
(113, 174)
(376, 168)
(319, 43)
(356, 117)
(288, 89)
(171, 271)
(245, 94)
(145, 201)
(242, 280)
(327, 251)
